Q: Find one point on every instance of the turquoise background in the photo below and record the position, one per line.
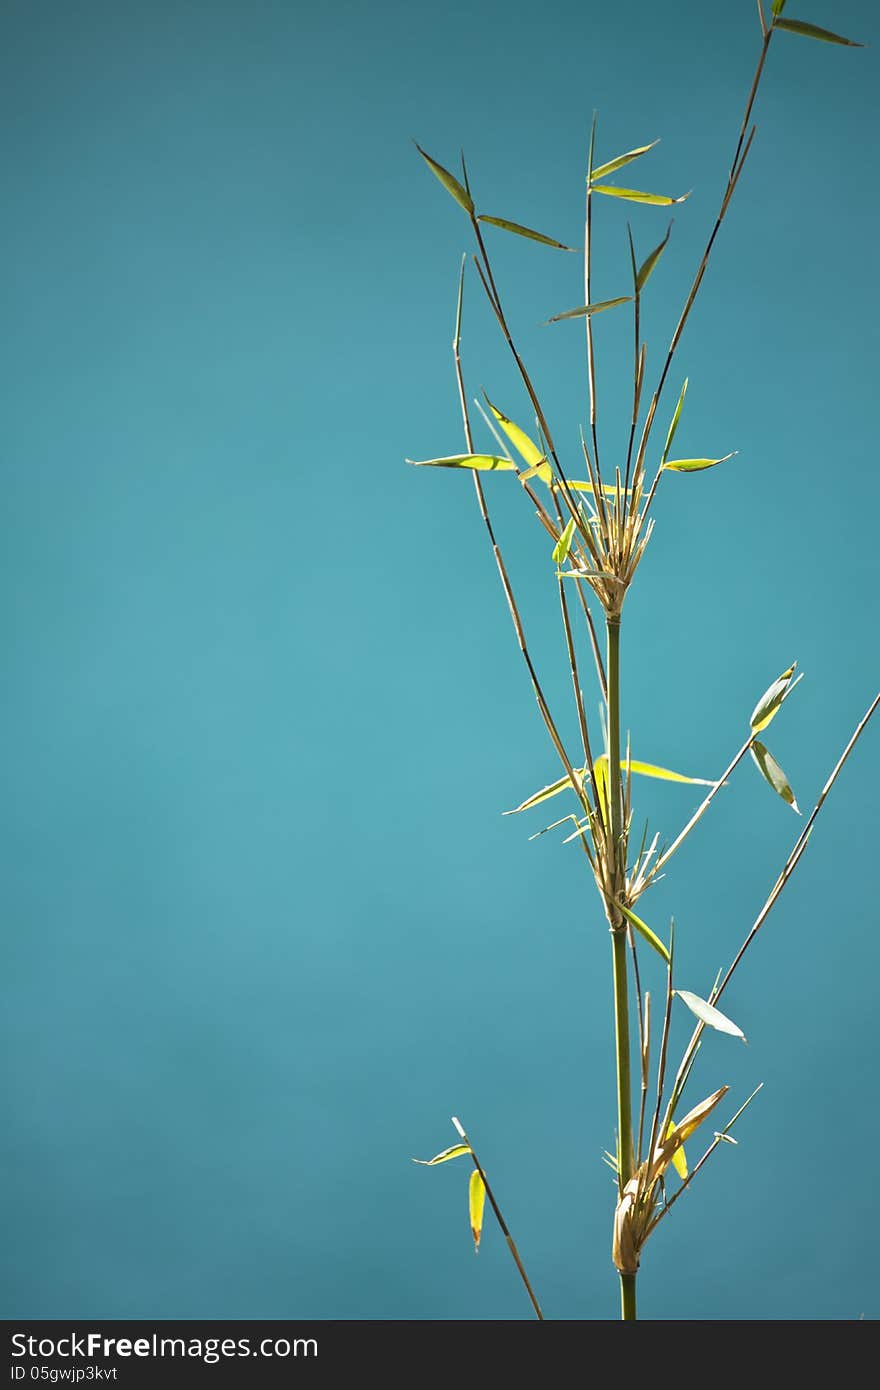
(265, 926)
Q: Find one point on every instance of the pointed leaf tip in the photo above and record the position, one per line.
(456, 1151)
(449, 181)
(768, 705)
(587, 310)
(708, 1014)
(563, 545)
(614, 164)
(812, 31)
(634, 195)
(482, 463)
(519, 230)
(773, 774)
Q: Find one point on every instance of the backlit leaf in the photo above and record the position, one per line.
(539, 470)
(665, 1151)
(587, 310)
(614, 164)
(812, 31)
(519, 230)
(518, 438)
(600, 771)
(772, 698)
(772, 773)
(633, 195)
(480, 462)
(449, 181)
(476, 1203)
(695, 465)
(679, 1161)
(708, 1014)
(563, 545)
(457, 1151)
(662, 773)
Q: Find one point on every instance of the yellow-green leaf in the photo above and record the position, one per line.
(772, 698)
(563, 545)
(480, 462)
(662, 773)
(518, 438)
(633, 195)
(679, 1161)
(648, 264)
(695, 465)
(778, 6)
(449, 181)
(543, 795)
(587, 310)
(812, 31)
(614, 164)
(609, 489)
(476, 1203)
(708, 1014)
(519, 230)
(457, 1151)
(673, 425)
(772, 773)
(644, 930)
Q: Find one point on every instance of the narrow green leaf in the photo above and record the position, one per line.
(457, 1151)
(695, 465)
(476, 1203)
(449, 181)
(772, 773)
(632, 195)
(644, 930)
(674, 423)
(587, 310)
(708, 1014)
(778, 6)
(648, 264)
(679, 1160)
(770, 701)
(543, 795)
(662, 773)
(614, 164)
(563, 545)
(480, 462)
(812, 31)
(518, 438)
(519, 230)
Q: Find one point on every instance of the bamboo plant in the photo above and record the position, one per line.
(599, 519)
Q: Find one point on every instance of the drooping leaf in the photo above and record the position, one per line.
(633, 195)
(457, 1151)
(679, 1160)
(519, 230)
(673, 424)
(708, 1014)
(563, 545)
(772, 773)
(812, 31)
(587, 310)
(518, 438)
(773, 696)
(449, 181)
(648, 265)
(695, 465)
(476, 1203)
(480, 462)
(614, 164)
(644, 930)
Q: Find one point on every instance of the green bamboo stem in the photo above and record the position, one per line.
(618, 944)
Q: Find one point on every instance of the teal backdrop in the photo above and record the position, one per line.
(265, 926)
